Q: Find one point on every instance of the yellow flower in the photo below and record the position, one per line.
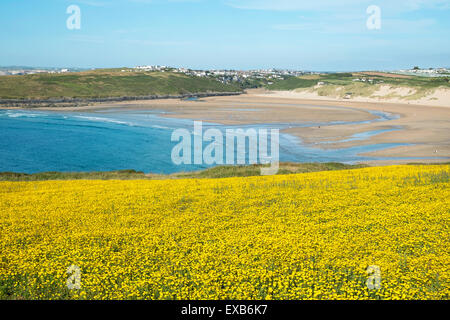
(305, 236)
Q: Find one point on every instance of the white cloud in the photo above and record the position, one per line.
(95, 3)
(288, 5)
(357, 26)
(162, 1)
(92, 3)
(158, 43)
(328, 5)
(86, 38)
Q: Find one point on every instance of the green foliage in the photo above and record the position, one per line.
(292, 83)
(119, 175)
(346, 79)
(215, 172)
(106, 83)
(337, 76)
(285, 168)
(211, 173)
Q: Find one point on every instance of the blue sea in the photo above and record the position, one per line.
(106, 140)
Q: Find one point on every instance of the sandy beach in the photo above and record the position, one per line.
(425, 127)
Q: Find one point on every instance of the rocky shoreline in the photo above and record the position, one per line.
(75, 102)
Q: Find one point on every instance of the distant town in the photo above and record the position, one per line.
(228, 76)
(431, 72)
(248, 77)
(20, 71)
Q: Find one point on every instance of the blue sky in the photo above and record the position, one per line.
(323, 35)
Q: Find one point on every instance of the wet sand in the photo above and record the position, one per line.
(426, 127)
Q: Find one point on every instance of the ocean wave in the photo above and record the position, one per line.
(160, 127)
(23, 115)
(108, 120)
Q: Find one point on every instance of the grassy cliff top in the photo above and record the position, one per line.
(344, 79)
(376, 85)
(104, 83)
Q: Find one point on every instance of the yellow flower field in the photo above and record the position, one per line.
(305, 236)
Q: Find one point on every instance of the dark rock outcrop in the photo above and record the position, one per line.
(58, 102)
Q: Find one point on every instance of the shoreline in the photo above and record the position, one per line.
(424, 128)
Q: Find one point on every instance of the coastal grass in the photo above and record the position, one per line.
(215, 172)
(44, 176)
(226, 171)
(211, 173)
(347, 78)
(357, 89)
(107, 83)
(255, 170)
(340, 85)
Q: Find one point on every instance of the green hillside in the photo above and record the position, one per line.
(343, 79)
(106, 83)
(364, 84)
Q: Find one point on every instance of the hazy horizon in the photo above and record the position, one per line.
(187, 67)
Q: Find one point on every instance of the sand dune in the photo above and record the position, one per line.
(384, 93)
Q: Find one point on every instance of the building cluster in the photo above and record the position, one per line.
(24, 71)
(431, 72)
(151, 68)
(370, 81)
(227, 76)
